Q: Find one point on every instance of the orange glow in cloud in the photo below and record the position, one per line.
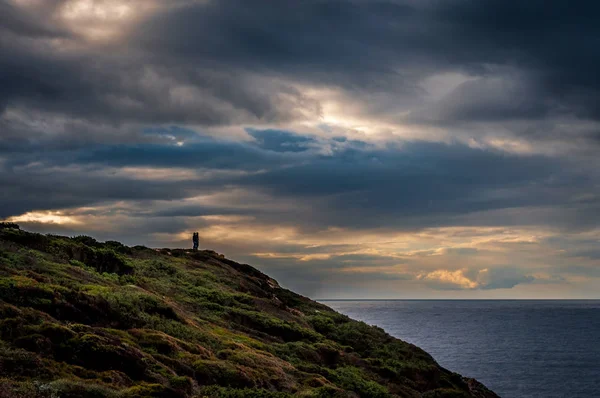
(457, 278)
(45, 217)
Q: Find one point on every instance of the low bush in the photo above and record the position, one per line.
(210, 372)
(271, 326)
(86, 240)
(18, 362)
(150, 391)
(445, 393)
(227, 392)
(75, 389)
(353, 379)
(7, 225)
(117, 246)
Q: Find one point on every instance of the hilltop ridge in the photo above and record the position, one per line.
(82, 318)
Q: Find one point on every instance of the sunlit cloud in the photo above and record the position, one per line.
(102, 20)
(48, 217)
(453, 279)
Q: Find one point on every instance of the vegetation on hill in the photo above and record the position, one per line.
(81, 318)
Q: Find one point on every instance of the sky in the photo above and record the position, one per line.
(348, 148)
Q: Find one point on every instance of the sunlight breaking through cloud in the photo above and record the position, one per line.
(47, 217)
(373, 155)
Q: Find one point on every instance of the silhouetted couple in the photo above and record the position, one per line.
(196, 240)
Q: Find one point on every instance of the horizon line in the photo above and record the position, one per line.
(457, 299)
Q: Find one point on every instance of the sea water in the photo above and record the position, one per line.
(517, 348)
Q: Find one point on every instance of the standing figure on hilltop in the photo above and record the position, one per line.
(196, 240)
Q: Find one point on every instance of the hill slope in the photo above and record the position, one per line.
(80, 318)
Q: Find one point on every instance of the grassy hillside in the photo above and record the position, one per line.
(80, 318)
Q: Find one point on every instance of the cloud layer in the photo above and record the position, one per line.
(351, 148)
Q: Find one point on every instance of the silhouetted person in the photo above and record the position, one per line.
(196, 240)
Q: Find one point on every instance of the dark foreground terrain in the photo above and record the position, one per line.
(80, 318)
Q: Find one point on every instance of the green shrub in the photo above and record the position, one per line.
(130, 309)
(30, 240)
(101, 353)
(117, 246)
(272, 326)
(155, 342)
(330, 392)
(183, 385)
(7, 225)
(220, 297)
(227, 392)
(106, 260)
(35, 343)
(86, 240)
(353, 379)
(18, 362)
(149, 391)
(445, 393)
(80, 264)
(26, 292)
(322, 324)
(66, 388)
(219, 372)
(157, 269)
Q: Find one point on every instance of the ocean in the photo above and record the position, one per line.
(517, 348)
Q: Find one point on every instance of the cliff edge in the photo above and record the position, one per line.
(81, 318)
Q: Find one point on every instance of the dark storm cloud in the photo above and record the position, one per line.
(418, 184)
(15, 21)
(505, 278)
(111, 86)
(305, 37)
(210, 154)
(378, 45)
(118, 91)
(204, 58)
(31, 77)
(491, 99)
(80, 116)
(437, 166)
(281, 141)
(356, 186)
(38, 189)
(551, 36)
(224, 63)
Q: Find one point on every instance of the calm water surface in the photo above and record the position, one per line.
(528, 348)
